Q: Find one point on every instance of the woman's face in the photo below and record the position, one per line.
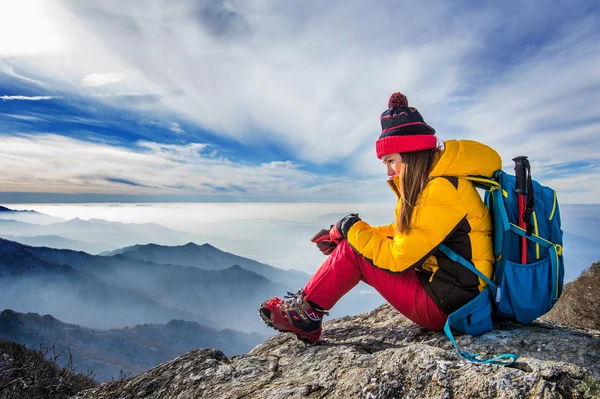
(392, 162)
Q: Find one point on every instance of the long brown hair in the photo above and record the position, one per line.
(414, 175)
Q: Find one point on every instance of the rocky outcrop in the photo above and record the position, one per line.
(579, 305)
(381, 355)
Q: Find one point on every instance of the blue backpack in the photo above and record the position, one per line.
(529, 269)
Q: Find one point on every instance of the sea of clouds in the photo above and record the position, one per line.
(279, 233)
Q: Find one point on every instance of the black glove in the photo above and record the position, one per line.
(339, 231)
(324, 242)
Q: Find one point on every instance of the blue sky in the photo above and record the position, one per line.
(280, 101)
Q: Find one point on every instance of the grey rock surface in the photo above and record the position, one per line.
(381, 354)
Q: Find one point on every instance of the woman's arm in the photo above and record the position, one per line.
(387, 230)
(438, 213)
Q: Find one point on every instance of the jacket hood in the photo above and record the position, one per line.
(466, 157)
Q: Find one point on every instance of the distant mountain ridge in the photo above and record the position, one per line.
(97, 230)
(28, 216)
(28, 281)
(580, 225)
(207, 257)
(101, 292)
(5, 209)
(132, 350)
(58, 242)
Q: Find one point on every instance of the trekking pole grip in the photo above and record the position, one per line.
(521, 175)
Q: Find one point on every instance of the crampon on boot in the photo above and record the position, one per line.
(294, 315)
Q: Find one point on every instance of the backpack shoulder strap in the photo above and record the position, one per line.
(457, 258)
(483, 182)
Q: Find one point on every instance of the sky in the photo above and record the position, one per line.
(269, 101)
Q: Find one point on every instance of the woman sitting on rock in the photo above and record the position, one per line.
(402, 260)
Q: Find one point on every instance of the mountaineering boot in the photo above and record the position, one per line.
(295, 315)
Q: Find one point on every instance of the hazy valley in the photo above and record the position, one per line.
(135, 306)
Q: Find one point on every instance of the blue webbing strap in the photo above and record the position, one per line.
(504, 359)
(538, 240)
(457, 258)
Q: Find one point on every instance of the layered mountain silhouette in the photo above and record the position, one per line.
(123, 289)
(30, 280)
(117, 291)
(109, 354)
(58, 242)
(206, 257)
(97, 230)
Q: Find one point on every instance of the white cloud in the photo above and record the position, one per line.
(119, 94)
(174, 127)
(23, 117)
(52, 163)
(313, 77)
(101, 79)
(281, 165)
(8, 69)
(27, 29)
(545, 105)
(28, 98)
(309, 80)
(546, 108)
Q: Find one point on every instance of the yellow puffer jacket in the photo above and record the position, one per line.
(449, 211)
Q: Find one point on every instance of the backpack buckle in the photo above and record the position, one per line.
(559, 249)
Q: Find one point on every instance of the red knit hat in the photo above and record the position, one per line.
(403, 129)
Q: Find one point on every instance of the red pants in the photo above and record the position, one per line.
(345, 267)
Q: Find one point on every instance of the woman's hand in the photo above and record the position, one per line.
(327, 240)
(324, 242)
